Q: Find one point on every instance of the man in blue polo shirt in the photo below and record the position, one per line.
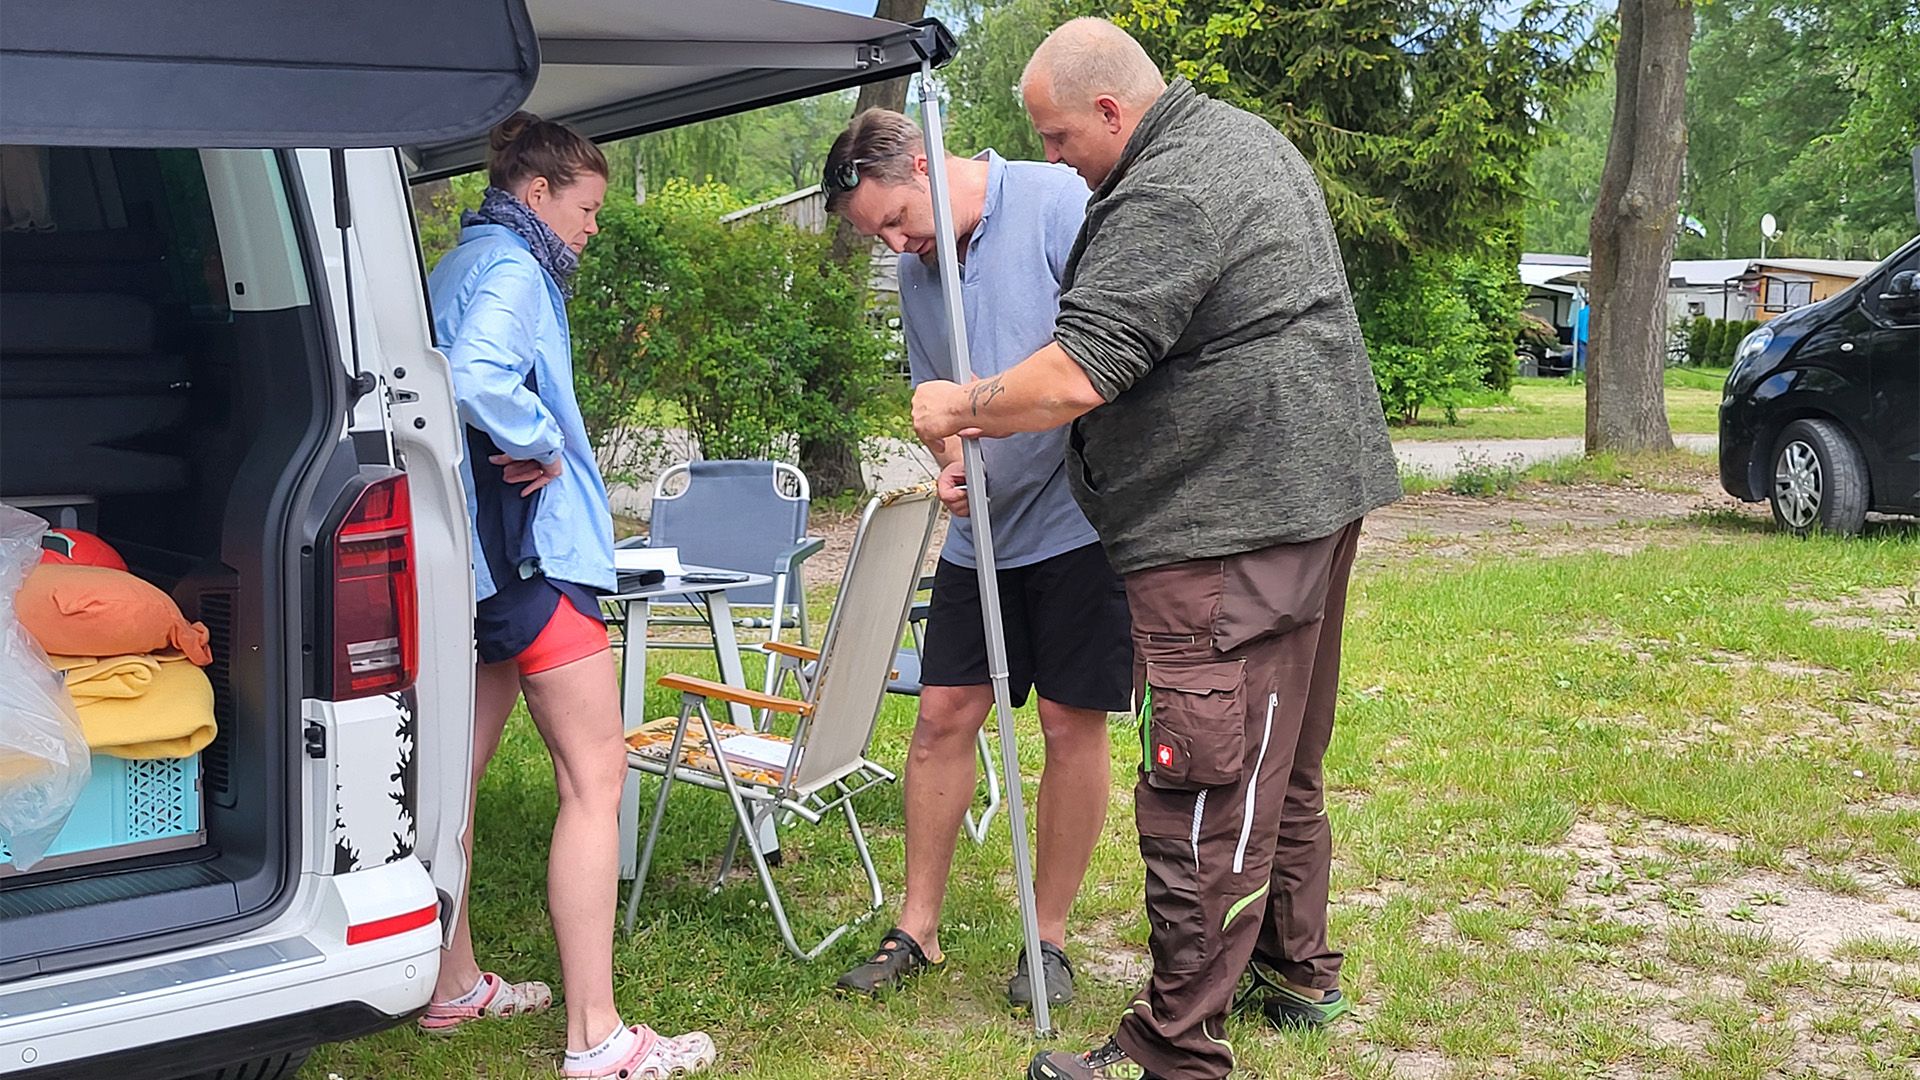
(1067, 627)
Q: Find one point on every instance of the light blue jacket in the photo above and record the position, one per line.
(498, 316)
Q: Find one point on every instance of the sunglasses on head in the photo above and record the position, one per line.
(846, 176)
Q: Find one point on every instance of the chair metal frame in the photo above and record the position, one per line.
(810, 799)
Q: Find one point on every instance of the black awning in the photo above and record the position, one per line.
(261, 73)
(427, 75)
(614, 68)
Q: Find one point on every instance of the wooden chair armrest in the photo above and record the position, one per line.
(707, 688)
(798, 652)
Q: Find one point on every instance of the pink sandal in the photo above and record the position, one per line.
(506, 1000)
(657, 1057)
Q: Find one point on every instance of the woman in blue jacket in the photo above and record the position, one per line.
(542, 556)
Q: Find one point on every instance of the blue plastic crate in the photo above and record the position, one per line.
(127, 808)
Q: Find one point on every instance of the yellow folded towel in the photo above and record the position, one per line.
(155, 705)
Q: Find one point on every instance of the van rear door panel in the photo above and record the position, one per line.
(411, 416)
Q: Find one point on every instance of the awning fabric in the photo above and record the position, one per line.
(427, 75)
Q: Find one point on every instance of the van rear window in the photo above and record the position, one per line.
(82, 205)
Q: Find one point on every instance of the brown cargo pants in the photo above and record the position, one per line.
(1239, 664)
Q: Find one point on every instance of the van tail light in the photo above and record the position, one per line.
(375, 646)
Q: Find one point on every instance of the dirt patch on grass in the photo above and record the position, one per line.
(1893, 611)
(1811, 922)
(1102, 954)
(1544, 520)
(1678, 936)
(1729, 661)
(1416, 1064)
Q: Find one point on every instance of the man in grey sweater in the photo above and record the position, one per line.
(1227, 440)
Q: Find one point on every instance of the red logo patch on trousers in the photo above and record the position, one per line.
(1163, 754)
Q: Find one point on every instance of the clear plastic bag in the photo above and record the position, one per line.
(44, 761)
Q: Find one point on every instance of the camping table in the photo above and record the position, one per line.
(636, 608)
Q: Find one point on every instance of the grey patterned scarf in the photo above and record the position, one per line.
(499, 207)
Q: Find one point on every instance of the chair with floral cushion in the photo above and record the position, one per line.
(823, 766)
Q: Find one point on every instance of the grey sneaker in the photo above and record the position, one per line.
(1055, 970)
(1107, 1063)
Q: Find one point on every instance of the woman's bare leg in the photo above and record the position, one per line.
(577, 709)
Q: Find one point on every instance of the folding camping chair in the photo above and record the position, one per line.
(744, 516)
(799, 662)
(825, 764)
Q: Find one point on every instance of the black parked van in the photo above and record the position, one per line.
(1821, 414)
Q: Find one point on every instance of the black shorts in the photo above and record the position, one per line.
(1067, 628)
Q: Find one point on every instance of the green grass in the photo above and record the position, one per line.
(1555, 408)
(1482, 476)
(1487, 710)
(1893, 950)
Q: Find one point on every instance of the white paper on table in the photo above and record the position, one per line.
(757, 751)
(664, 559)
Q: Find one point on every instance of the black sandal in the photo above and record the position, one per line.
(1056, 974)
(898, 959)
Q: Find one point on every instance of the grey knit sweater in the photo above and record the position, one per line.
(1207, 302)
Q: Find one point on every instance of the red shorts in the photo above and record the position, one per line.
(568, 636)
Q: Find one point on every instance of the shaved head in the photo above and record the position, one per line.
(1086, 89)
(1088, 58)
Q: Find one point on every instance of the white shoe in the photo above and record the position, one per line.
(658, 1057)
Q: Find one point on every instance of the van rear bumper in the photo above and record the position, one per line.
(292, 984)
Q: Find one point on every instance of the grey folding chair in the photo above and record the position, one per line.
(826, 757)
(800, 663)
(746, 516)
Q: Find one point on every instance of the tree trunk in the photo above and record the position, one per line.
(1632, 233)
(833, 465)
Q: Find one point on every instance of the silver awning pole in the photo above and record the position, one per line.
(977, 503)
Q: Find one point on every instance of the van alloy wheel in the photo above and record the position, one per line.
(1820, 481)
(1798, 484)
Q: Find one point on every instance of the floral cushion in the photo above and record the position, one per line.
(654, 739)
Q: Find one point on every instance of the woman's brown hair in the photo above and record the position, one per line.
(524, 146)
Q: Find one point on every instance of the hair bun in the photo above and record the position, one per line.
(524, 146)
(506, 131)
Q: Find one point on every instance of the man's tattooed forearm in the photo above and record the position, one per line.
(984, 392)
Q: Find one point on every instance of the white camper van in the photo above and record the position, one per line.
(215, 352)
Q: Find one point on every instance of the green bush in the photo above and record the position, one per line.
(1494, 295)
(1427, 346)
(437, 206)
(732, 324)
(1480, 476)
(1717, 344)
(1698, 331)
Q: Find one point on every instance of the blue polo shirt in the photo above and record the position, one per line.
(1010, 286)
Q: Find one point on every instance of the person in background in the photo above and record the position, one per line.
(1065, 609)
(542, 555)
(1227, 439)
